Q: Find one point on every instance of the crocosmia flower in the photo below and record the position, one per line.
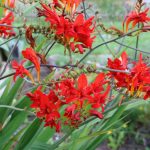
(30, 54)
(6, 30)
(75, 34)
(8, 3)
(79, 98)
(20, 70)
(135, 18)
(137, 79)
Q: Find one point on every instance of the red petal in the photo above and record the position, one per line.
(97, 114)
(82, 81)
(124, 57)
(99, 78)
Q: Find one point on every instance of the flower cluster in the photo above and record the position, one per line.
(80, 100)
(6, 22)
(5, 26)
(135, 18)
(73, 32)
(136, 81)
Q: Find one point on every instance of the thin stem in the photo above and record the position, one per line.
(131, 47)
(15, 108)
(137, 40)
(120, 46)
(8, 40)
(104, 41)
(84, 9)
(50, 48)
(110, 41)
(4, 25)
(64, 67)
(137, 44)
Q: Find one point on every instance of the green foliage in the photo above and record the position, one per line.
(116, 140)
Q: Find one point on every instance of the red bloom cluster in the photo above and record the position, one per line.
(5, 30)
(137, 81)
(80, 100)
(74, 33)
(136, 18)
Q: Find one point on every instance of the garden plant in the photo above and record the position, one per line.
(74, 105)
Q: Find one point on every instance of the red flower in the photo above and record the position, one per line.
(20, 70)
(83, 96)
(79, 99)
(6, 31)
(71, 5)
(140, 78)
(119, 65)
(82, 33)
(135, 18)
(74, 34)
(30, 54)
(9, 4)
(45, 108)
(29, 36)
(137, 81)
(67, 6)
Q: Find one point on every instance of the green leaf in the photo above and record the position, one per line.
(13, 140)
(45, 135)
(8, 100)
(107, 126)
(23, 103)
(41, 146)
(28, 135)
(5, 92)
(11, 128)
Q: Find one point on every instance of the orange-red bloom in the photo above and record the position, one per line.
(20, 70)
(79, 98)
(5, 22)
(8, 3)
(30, 54)
(137, 81)
(69, 6)
(75, 34)
(135, 18)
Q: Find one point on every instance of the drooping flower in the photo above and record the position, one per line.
(5, 26)
(29, 37)
(30, 54)
(135, 18)
(20, 70)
